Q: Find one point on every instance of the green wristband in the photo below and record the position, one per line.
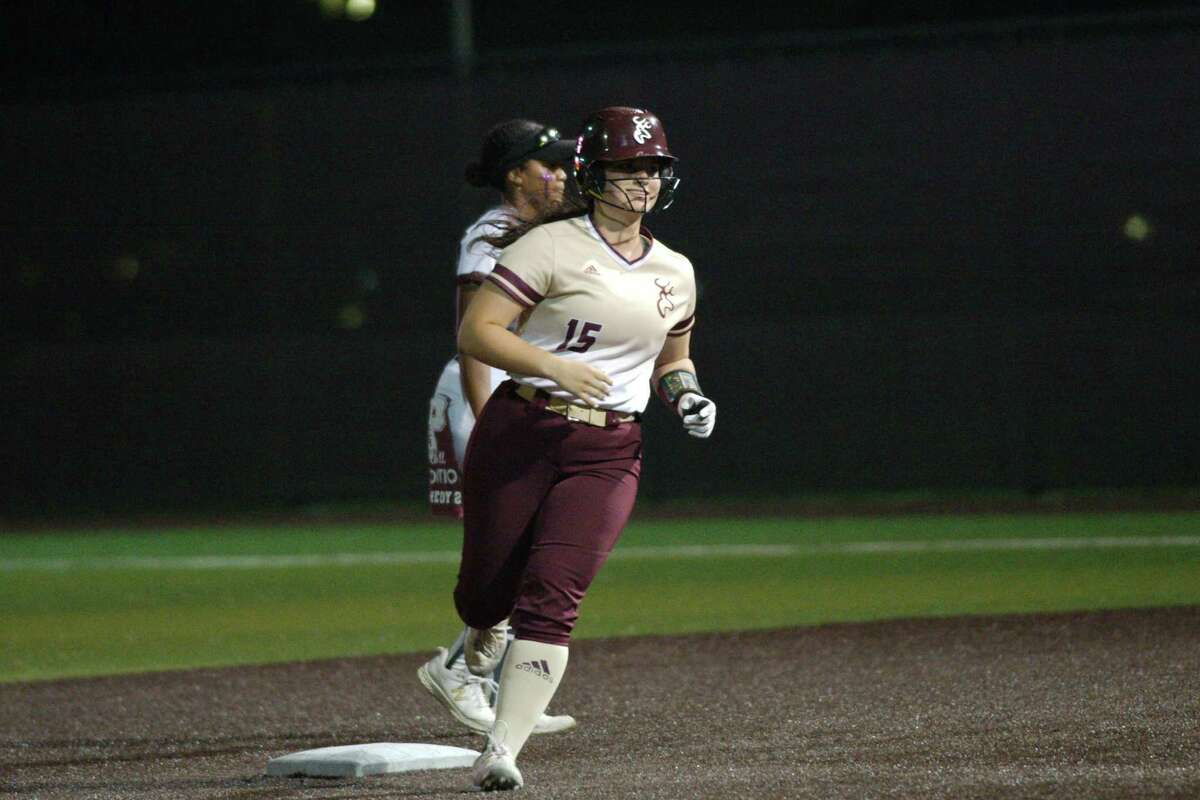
(675, 384)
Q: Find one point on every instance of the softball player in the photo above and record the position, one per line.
(524, 161)
(552, 468)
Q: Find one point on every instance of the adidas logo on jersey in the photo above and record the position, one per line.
(538, 668)
(590, 270)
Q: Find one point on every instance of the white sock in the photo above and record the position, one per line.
(531, 676)
(509, 638)
(498, 672)
(454, 656)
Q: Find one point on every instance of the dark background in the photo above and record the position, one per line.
(935, 252)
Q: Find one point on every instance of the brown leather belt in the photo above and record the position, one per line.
(588, 416)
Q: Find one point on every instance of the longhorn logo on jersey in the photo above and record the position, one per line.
(665, 304)
(641, 129)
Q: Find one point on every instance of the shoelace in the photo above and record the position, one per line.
(487, 686)
(496, 738)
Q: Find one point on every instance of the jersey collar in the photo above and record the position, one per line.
(620, 259)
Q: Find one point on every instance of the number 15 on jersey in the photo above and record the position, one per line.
(585, 338)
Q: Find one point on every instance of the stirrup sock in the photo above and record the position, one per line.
(531, 676)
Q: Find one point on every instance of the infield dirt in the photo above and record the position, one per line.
(1090, 705)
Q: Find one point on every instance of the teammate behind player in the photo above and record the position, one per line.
(524, 161)
(606, 315)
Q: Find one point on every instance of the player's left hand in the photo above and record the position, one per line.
(699, 415)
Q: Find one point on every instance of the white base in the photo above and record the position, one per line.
(356, 760)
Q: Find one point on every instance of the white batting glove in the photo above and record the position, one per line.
(699, 415)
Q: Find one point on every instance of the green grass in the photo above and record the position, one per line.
(100, 619)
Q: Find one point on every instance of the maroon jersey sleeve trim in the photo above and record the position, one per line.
(514, 287)
(683, 327)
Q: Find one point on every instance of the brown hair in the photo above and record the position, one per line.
(511, 230)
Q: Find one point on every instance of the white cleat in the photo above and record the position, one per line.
(459, 691)
(496, 770)
(557, 724)
(465, 696)
(484, 648)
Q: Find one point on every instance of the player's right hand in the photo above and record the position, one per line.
(582, 380)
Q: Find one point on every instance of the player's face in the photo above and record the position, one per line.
(542, 185)
(633, 184)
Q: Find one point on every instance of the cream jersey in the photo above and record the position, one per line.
(585, 302)
(476, 259)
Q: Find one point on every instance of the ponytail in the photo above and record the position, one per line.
(510, 230)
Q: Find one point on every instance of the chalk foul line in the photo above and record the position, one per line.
(633, 553)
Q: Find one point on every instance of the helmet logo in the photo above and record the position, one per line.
(641, 129)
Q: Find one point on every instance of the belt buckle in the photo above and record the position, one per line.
(579, 414)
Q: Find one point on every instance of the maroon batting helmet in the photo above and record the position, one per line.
(621, 133)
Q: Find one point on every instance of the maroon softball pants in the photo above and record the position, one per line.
(544, 501)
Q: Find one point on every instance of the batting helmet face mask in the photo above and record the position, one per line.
(620, 133)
